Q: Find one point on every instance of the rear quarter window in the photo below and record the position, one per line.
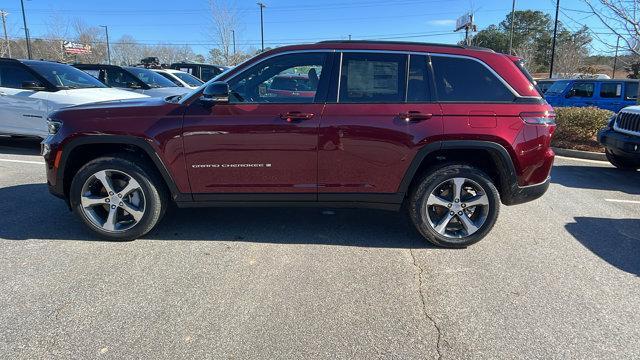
(467, 80)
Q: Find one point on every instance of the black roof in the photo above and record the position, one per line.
(403, 43)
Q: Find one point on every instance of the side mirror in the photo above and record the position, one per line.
(32, 85)
(216, 92)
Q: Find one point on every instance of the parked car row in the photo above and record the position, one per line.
(30, 89)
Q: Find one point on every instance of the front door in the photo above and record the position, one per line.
(264, 141)
(22, 111)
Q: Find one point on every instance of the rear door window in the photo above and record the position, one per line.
(467, 80)
(418, 81)
(610, 90)
(631, 91)
(373, 78)
(12, 76)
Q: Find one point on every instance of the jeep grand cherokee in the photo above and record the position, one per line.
(447, 133)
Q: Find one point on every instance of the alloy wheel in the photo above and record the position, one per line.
(112, 200)
(456, 208)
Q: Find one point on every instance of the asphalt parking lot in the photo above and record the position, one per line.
(557, 278)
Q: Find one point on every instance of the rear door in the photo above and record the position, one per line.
(610, 96)
(22, 112)
(379, 115)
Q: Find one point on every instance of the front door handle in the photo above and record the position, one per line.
(296, 116)
(412, 116)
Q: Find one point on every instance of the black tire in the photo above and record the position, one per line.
(154, 194)
(434, 179)
(621, 162)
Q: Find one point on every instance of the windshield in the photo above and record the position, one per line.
(188, 78)
(151, 78)
(65, 76)
(557, 88)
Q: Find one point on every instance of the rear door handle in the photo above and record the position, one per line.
(412, 116)
(296, 116)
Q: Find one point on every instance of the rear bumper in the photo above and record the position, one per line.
(523, 194)
(620, 144)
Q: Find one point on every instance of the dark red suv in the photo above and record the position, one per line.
(445, 132)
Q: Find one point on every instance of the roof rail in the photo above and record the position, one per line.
(403, 43)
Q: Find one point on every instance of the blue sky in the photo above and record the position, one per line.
(286, 21)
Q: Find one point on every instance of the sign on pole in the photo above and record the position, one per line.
(76, 48)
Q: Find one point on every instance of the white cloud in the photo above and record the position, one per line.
(442, 22)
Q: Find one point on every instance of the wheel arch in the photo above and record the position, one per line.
(489, 156)
(79, 151)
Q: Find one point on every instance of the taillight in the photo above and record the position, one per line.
(539, 118)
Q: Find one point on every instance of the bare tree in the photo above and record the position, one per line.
(224, 18)
(93, 36)
(619, 16)
(126, 51)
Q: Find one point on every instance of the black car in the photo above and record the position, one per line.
(621, 139)
(204, 72)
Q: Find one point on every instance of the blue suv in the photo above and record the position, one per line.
(610, 94)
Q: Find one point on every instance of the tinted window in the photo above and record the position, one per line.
(581, 89)
(119, 78)
(65, 76)
(418, 82)
(150, 77)
(610, 90)
(170, 78)
(631, 91)
(207, 73)
(558, 87)
(373, 78)
(188, 78)
(12, 76)
(460, 79)
(292, 78)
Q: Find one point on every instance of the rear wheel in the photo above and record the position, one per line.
(454, 206)
(117, 199)
(621, 162)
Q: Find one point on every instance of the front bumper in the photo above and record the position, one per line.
(620, 144)
(523, 194)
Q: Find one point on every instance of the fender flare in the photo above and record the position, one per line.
(144, 145)
(506, 168)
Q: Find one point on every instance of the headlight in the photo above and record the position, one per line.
(53, 126)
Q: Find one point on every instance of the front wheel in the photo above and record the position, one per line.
(454, 206)
(621, 162)
(117, 198)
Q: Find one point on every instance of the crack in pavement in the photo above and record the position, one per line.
(424, 304)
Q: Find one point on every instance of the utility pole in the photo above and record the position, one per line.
(106, 31)
(4, 27)
(233, 35)
(513, 20)
(26, 30)
(615, 59)
(262, 6)
(553, 43)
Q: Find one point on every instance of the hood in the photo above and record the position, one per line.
(635, 109)
(83, 96)
(166, 91)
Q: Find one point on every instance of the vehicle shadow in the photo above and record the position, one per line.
(19, 146)
(597, 178)
(41, 216)
(617, 241)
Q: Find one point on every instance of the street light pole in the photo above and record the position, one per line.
(553, 43)
(26, 30)
(513, 20)
(233, 35)
(262, 6)
(106, 31)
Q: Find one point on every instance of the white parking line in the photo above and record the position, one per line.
(23, 161)
(583, 160)
(623, 201)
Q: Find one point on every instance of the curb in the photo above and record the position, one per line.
(580, 154)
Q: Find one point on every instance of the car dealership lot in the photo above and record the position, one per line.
(557, 278)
